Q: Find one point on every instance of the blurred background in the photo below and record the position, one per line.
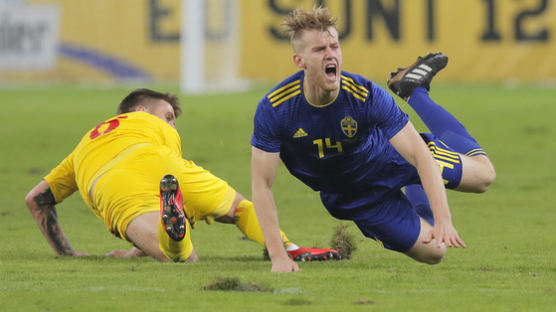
(65, 64)
(228, 44)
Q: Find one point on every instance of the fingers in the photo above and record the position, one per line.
(458, 242)
(452, 241)
(293, 268)
(462, 243)
(428, 237)
(455, 241)
(116, 253)
(285, 266)
(449, 240)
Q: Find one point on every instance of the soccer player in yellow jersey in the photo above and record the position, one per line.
(118, 168)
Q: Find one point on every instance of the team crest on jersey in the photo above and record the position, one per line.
(349, 126)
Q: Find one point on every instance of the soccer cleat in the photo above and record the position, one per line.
(420, 74)
(172, 215)
(304, 254)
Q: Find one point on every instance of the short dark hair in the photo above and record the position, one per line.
(139, 96)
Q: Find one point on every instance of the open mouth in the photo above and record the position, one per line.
(330, 71)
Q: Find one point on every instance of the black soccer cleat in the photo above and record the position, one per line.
(172, 214)
(420, 74)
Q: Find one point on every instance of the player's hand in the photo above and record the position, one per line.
(134, 252)
(284, 264)
(444, 233)
(118, 253)
(79, 253)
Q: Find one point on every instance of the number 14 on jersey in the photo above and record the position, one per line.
(322, 144)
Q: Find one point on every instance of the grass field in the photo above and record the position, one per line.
(509, 265)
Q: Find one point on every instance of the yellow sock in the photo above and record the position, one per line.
(176, 251)
(246, 220)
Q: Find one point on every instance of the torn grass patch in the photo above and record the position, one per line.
(234, 284)
(343, 241)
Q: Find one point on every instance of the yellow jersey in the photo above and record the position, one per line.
(126, 156)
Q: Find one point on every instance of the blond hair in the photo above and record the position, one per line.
(300, 20)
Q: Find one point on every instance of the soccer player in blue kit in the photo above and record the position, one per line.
(344, 136)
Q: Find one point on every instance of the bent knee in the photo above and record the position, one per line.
(427, 253)
(434, 257)
(478, 175)
(486, 178)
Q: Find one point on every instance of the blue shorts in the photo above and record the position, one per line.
(394, 224)
(393, 221)
(382, 212)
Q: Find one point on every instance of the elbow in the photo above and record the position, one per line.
(30, 200)
(39, 198)
(32, 204)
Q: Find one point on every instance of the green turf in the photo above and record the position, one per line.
(509, 265)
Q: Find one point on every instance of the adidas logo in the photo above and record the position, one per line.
(299, 134)
(419, 72)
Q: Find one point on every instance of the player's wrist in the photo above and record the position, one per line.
(278, 255)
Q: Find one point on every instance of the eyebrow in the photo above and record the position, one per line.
(319, 47)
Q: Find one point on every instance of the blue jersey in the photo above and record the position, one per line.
(340, 147)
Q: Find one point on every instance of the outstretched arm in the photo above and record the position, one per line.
(412, 147)
(263, 172)
(41, 204)
(132, 253)
(135, 252)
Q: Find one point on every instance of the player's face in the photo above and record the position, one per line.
(321, 58)
(164, 111)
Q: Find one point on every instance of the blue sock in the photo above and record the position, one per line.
(418, 198)
(443, 124)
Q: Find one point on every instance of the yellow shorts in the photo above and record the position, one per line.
(131, 188)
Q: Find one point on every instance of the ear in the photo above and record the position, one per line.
(298, 60)
(140, 108)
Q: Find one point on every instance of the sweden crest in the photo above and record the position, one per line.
(349, 126)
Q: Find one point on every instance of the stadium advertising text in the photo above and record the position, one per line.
(28, 37)
(391, 14)
(377, 34)
(487, 40)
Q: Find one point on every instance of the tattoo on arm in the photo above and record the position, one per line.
(49, 223)
(54, 231)
(44, 199)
